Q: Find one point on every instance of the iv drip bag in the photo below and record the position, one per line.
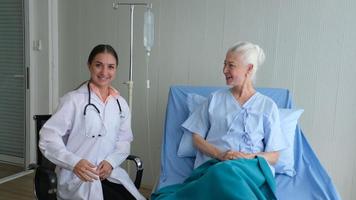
(148, 30)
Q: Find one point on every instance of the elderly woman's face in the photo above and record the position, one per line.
(234, 69)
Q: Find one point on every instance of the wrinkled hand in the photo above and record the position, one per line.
(104, 169)
(85, 171)
(231, 155)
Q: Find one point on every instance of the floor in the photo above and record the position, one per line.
(19, 189)
(7, 170)
(22, 189)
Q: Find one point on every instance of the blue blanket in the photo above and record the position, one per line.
(233, 179)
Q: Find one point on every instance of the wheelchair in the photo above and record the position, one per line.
(45, 180)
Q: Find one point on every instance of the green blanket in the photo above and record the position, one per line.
(233, 179)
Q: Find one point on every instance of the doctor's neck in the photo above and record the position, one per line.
(104, 90)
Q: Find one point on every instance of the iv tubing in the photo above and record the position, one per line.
(148, 117)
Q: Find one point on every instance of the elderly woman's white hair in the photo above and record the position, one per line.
(250, 54)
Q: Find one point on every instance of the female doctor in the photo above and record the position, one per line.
(89, 136)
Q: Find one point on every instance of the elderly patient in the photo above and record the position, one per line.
(238, 122)
(235, 131)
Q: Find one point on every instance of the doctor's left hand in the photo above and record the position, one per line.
(104, 169)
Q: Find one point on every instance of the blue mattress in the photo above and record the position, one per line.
(310, 182)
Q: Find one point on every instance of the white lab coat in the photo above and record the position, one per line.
(68, 137)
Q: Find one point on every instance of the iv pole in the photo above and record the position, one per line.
(129, 83)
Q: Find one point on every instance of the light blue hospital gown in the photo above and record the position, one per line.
(251, 128)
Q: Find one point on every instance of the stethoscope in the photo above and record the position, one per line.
(96, 108)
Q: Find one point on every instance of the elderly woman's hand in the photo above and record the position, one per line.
(231, 155)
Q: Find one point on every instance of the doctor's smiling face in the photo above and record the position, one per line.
(102, 69)
(235, 70)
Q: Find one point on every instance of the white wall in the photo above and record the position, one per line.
(39, 70)
(310, 49)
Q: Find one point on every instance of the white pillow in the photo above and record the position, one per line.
(288, 118)
(186, 147)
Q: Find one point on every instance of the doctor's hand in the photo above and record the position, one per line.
(85, 171)
(104, 169)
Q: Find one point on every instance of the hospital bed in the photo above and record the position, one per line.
(310, 182)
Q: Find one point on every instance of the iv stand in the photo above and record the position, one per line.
(129, 83)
